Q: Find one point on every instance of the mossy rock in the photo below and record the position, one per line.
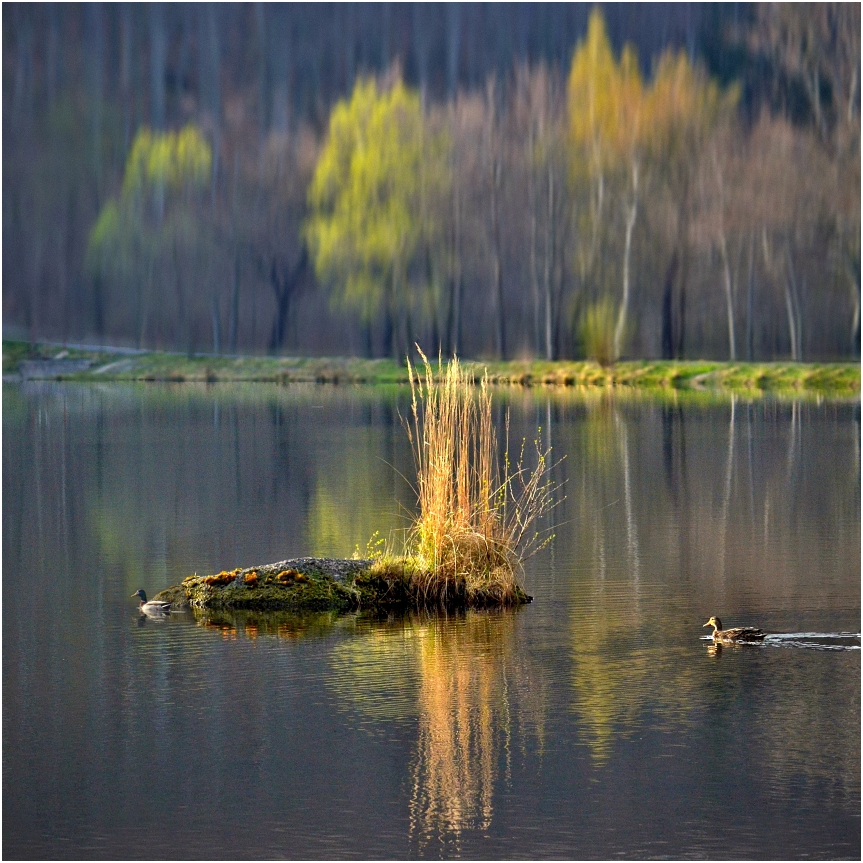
(313, 584)
(300, 584)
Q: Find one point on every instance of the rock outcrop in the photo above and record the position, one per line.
(310, 583)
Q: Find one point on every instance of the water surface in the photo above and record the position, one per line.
(596, 722)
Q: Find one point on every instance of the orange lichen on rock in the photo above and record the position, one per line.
(288, 575)
(221, 578)
(251, 579)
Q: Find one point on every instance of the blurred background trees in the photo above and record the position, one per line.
(674, 180)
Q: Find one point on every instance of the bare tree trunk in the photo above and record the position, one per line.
(216, 326)
(93, 23)
(729, 300)
(158, 60)
(549, 264)
(792, 329)
(126, 48)
(494, 183)
(668, 308)
(531, 203)
(624, 303)
(792, 305)
(750, 302)
(390, 348)
(597, 203)
(284, 289)
(726, 269)
(453, 32)
(497, 275)
(233, 321)
(855, 314)
(454, 327)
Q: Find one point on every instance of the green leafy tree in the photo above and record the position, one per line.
(629, 136)
(156, 230)
(607, 107)
(371, 201)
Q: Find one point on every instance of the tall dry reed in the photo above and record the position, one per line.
(478, 513)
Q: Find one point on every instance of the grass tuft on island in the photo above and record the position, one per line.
(42, 361)
(478, 512)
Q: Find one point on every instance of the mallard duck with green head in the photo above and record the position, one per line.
(741, 633)
(153, 608)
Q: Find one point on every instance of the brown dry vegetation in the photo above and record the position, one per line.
(478, 519)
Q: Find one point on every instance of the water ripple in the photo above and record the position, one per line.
(814, 640)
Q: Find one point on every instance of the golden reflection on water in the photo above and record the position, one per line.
(478, 701)
(476, 697)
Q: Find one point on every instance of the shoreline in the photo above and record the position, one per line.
(21, 362)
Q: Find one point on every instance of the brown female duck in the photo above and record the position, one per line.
(741, 633)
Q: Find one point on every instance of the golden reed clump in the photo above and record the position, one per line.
(477, 518)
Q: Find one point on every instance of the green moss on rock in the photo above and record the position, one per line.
(310, 584)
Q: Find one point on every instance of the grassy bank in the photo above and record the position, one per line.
(840, 378)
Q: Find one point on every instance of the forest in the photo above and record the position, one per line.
(493, 180)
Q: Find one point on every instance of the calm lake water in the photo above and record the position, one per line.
(594, 723)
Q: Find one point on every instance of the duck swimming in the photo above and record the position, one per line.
(741, 633)
(155, 608)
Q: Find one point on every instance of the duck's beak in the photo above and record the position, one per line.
(709, 623)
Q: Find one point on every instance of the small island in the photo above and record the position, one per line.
(478, 521)
(327, 584)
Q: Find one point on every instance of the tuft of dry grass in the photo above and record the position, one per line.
(478, 513)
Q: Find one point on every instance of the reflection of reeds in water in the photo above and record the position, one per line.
(479, 700)
(475, 696)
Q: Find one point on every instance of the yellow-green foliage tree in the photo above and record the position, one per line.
(606, 101)
(155, 230)
(372, 202)
(623, 129)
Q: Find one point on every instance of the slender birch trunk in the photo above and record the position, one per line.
(497, 275)
(494, 181)
(531, 203)
(234, 319)
(792, 329)
(624, 303)
(729, 300)
(457, 278)
(549, 264)
(792, 305)
(726, 268)
(750, 302)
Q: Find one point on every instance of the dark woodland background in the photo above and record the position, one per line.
(745, 241)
